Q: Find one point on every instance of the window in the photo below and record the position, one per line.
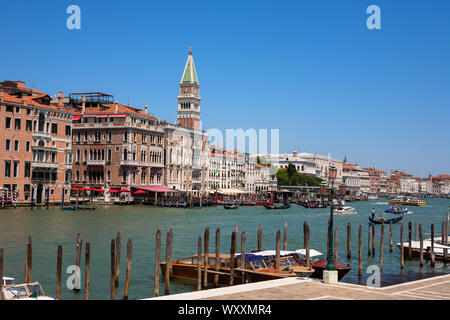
(7, 168)
(68, 131)
(28, 125)
(109, 136)
(9, 109)
(17, 109)
(8, 123)
(54, 128)
(28, 111)
(27, 148)
(108, 175)
(109, 155)
(16, 145)
(27, 169)
(8, 145)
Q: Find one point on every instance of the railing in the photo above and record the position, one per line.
(44, 164)
(129, 162)
(95, 162)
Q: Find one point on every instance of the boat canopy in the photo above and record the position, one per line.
(312, 252)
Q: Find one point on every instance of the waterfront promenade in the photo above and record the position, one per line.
(435, 288)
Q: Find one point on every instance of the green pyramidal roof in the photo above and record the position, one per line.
(189, 74)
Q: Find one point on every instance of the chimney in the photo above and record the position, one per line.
(146, 109)
(83, 104)
(60, 99)
(116, 107)
(1, 96)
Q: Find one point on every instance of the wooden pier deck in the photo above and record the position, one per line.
(435, 288)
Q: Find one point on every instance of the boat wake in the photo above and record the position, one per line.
(381, 203)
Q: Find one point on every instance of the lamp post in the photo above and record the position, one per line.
(332, 171)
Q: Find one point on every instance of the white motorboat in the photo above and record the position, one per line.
(344, 210)
(7, 281)
(25, 291)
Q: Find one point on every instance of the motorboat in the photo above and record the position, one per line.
(344, 210)
(231, 206)
(407, 201)
(25, 291)
(396, 210)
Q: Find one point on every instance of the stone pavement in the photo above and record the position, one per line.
(436, 288)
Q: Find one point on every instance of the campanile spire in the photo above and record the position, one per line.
(189, 98)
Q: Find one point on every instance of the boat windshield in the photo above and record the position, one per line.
(35, 288)
(287, 261)
(16, 292)
(258, 264)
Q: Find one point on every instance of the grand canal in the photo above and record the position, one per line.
(53, 227)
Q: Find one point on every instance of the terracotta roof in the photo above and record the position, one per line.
(257, 165)
(223, 155)
(111, 108)
(31, 101)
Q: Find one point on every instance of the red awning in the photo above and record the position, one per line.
(124, 190)
(98, 190)
(140, 192)
(75, 188)
(113, 191)
(76, 117)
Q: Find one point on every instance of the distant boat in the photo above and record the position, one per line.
(397, 211)
(381, 220)
(230, 206)
(272, 206)
(407, 201)
(344, 210)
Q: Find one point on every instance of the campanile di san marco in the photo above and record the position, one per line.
(189, 98)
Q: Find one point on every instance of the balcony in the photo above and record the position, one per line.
(44, 164)
(95, 162)
(41, 134)
(129, 163)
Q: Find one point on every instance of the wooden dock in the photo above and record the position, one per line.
(435, 288)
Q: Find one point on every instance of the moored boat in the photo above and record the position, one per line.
(25, 291)
(344, 210)
(271, 206)
(230, 206)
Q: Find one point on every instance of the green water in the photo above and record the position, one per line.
(50, 228)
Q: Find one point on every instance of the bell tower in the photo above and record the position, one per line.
(189, 98)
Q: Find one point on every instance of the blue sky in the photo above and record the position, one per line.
(310, 68)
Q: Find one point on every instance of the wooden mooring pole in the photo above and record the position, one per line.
(410, 240)
(128, 270)
(79, 248)
(242, 266)
(390, 238)
(360, 247)
(369, 253)
(157, 262)
(29, 261)
(2, 252)
(113, 267)
(260, 231)
(58, 272)
(216, 276)
(432, 256)
(349, 241)
(373, 240)
(199, 264)
(381, 246)
(285, 236)
(277, 250)
(421, 245)
(415, 231)
(336, 245)
(402, 249)
(118, 251)
(232, 253)
(205, 274)
(87, 270)
(168, 261)
(307, 246)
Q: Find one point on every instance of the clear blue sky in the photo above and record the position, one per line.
(310, 68)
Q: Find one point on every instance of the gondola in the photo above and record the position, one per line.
(385, 221)
(230, 206)
(271, 206)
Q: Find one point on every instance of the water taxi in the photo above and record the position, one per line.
(344, 210)
(25, 291)
(407, 201)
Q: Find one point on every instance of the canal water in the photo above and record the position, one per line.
(53, 227)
